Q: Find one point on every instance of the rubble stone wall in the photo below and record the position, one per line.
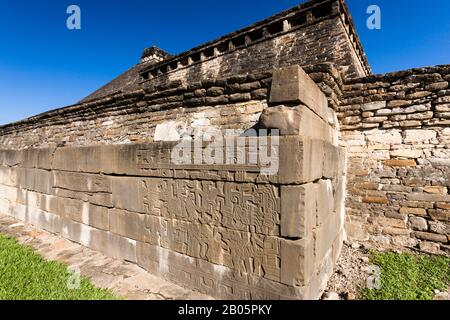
(397, 131)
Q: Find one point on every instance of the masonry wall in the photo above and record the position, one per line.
(324, 41)
(397, 131)
(228, 103)
(225, 229)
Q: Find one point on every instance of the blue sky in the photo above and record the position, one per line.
(43, 65)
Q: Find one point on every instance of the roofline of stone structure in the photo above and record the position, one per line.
(290, 20)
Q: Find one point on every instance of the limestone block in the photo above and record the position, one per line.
(429, 197)
(11, 194)
(82, 182)
(30, 158)
(301, 160)
(387, 138)
(297, 261)
(419, 136)
(43, 181)
(419, 224)
(440, 227)
(293, 85)
(325, 201)
(95, 159)
(374, 106)
(128, 224)
(320, 278)
(35, 180)
(296, 121)
(338, 244)
(11, 158)
(45, 158)
(298, 210)
(8, 176)
(430, 237)
(78, 211)
(39, 218)
(100, 199)
(170, 131)
(326, 235)
(100, 240)
(334, 161)
(129, 193)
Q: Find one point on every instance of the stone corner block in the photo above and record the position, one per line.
(293, 85)
(297, 261)
(298, 210)
(296, 121)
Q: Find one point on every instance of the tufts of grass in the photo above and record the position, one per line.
(24, 275)
(409, 277)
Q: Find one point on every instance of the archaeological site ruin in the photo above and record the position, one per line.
(352, 156)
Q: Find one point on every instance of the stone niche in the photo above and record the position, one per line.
(227, 230)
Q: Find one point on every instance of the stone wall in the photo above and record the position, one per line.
(229, 103)
(397, 131)
(225, 229)
(318, 31)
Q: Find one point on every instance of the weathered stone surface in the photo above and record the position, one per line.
(297, 261)
(298, 210)
(431, 237)
(399, 163)
(293, 85)
(298, 121)
(419, 224)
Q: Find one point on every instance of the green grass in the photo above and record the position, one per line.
(24, 275)
(409, 277)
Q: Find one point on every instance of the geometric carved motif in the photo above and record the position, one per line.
(228, 224)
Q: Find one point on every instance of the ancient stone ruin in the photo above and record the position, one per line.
(355, 155)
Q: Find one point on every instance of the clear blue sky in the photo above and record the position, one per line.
(43, 65)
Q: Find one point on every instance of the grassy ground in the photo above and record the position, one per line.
(24, 275)
(409, 277)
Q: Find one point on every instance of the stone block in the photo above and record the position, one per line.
(325, 201)
(30, 158)
(419, 136)
(298, 210)
(301, 160)
(375, 200)
(326, 234)
(96, 216)
(297, 261)
(429, 197)
(128, 224)
(399, 163)
(413, 211)
(372, 106)
(430, 237)
(94, 159)
(45, 158)
(11, 158)
(129, 193)
(292, 85)
(419, 224)
(89, 183)
(334, 161)
(296, 121)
